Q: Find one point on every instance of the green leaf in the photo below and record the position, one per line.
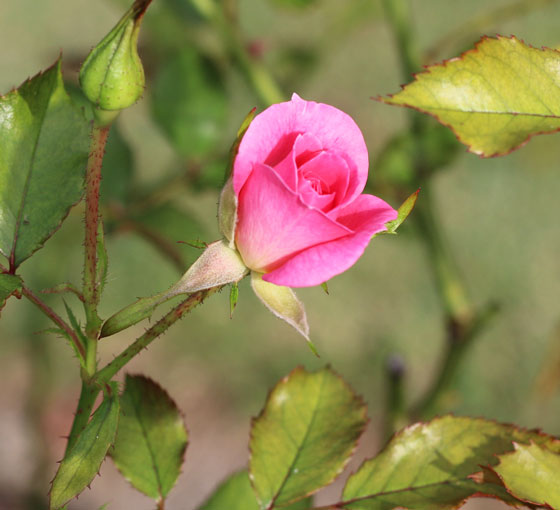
(304, 436)
(494, 97)
(151, 440)
(236, 493)
(9, 284)
(532, 474)
(82, 462)
(427, 465)
(44, 145)
(189, 103)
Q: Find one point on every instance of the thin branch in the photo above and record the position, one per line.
(49, 312)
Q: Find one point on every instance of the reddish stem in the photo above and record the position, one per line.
(93, 181)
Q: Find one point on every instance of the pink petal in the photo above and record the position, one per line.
(367, 216)
(274, 223)
(331, 170)
(273, 132)
(311, 198)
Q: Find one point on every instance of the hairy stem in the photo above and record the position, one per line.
(49, 312)
(106, 374)
(90, 284)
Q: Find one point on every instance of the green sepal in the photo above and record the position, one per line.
(233, 297)
(218, 265)
(227, 206)
(403, 212)
(112, 76)
(283, 302)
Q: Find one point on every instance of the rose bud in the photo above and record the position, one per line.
(112, 76)
(300, 217)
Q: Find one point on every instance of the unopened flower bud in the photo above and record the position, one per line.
(112, 76)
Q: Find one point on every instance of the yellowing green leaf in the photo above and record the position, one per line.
(44, 145)
(495, 97)
(304, 436)
(82, 462)
(427, 466)
(151, 439)
(532, 474)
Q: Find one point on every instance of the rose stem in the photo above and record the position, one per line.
(90, 292)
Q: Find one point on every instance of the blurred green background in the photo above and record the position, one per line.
(162, 174)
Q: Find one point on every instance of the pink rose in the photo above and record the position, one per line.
(299, 176)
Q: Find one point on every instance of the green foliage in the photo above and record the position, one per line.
(494, 97)
(532, 474)
(151, 439)
(189, 103)
(9, 284)
(44, 145)
(304, 436)
(82, 462)
(428, 466)
(236, 493)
